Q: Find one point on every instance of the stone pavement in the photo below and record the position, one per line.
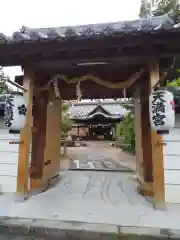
(87, 205)
(100, 155)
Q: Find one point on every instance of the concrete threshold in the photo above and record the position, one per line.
(56, 229)
(128, 170)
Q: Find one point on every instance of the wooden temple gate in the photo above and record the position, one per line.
(96, 61)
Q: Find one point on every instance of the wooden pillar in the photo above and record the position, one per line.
(60, 112)
(38, 142)
(152, 148)
(52, 151)
(78, 130)
(138, 131)
(157, 148)
(146, 186)
(46, 144)
(25, 140)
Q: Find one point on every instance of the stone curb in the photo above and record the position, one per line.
(80, 230)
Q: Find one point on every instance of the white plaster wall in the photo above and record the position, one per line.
(172, 164)
(8, 159)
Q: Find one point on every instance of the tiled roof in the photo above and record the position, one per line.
(140, 26)
(114, 109)
(82, 110)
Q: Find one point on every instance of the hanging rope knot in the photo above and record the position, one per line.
(56, 89)
(78, 91)
(124, 93)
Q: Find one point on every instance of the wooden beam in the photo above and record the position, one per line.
(52, 51)
(16, 85)
(49, 47)
(25, 139)
(85, 44)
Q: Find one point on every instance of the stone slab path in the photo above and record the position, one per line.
(100, 155)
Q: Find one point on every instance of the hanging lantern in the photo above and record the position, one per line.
(15, 110)
(162, 113)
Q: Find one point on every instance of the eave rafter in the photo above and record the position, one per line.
(122, 54)
(74, 51)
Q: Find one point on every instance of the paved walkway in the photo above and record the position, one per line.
(100, 155)
(91, 202)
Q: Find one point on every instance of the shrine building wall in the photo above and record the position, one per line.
(172, 164)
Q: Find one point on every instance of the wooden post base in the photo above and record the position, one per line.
(38, 186)
(146, 189)
(19, 197)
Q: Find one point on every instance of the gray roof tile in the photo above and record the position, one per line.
(82, 110)
(151, 25)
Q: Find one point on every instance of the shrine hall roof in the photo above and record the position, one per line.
(80, 110)
(152, 25)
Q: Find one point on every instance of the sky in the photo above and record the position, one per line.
(39, 13)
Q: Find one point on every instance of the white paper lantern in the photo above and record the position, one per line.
(15, 111)
(162, 113)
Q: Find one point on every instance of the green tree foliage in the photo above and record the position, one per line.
(65, 107)
(174, 83)
(66, 124)
(145, 9)
(163, 7)
(174, 88)
(167, 6)
(171, 7)
(125, 130)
